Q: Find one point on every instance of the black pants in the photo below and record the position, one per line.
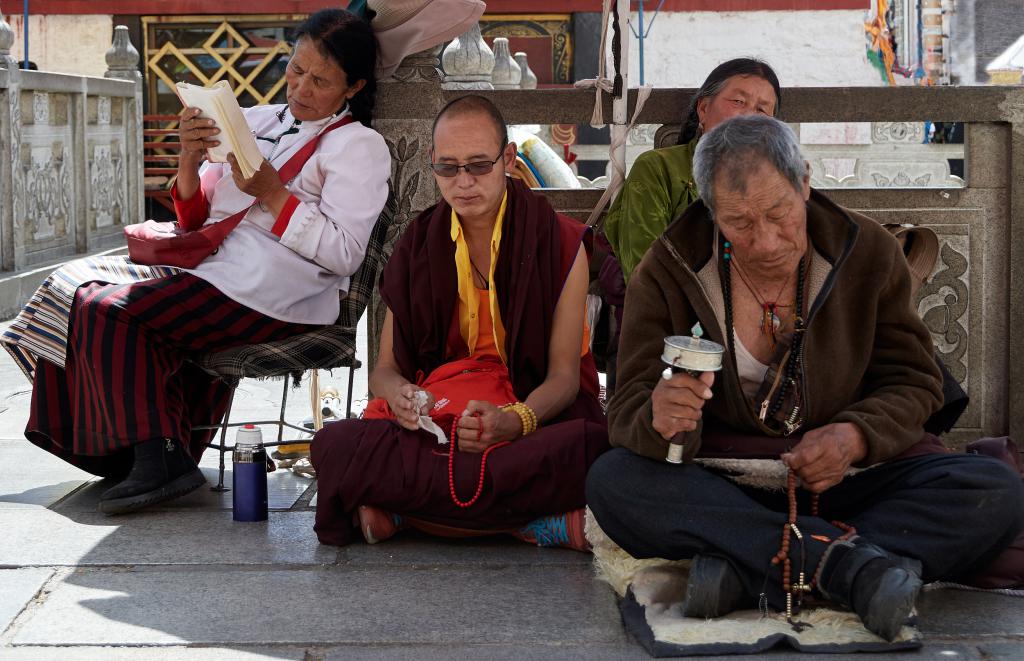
(954, 513)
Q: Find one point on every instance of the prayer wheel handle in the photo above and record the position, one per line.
(676, 445)
(691, 355)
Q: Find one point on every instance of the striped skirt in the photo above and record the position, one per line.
(125, 376)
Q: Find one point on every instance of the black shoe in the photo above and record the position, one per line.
(880, 589)
(162, 471)
(713, 588)
(884, 596)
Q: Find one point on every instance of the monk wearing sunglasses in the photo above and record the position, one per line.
(487, 414)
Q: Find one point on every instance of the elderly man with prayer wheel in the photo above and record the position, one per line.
(827, 367)
(487, 415)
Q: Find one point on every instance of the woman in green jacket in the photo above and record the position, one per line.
(660, 183)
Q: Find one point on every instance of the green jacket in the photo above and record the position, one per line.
(657, 191)
(867, 356)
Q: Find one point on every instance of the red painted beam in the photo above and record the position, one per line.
(567, 6)
(165, 7)
(172, 7)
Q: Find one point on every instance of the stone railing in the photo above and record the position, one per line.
(843, 155)
(70, 157)
(973, 299)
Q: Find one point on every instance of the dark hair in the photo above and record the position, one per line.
(741, 66)
(474, 103)
(350, 41)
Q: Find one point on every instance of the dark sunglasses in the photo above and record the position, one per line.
(476, 168)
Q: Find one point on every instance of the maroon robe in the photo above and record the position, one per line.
(378, 463)
(420, 287)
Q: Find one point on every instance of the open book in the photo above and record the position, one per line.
(218, 103)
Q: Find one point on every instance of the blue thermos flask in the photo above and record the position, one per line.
(249, 476)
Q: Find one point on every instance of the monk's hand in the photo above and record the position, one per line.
(677, 403)
(265, 185)
(197, 134)
(823, 456)
(483, 424)
(405, 404)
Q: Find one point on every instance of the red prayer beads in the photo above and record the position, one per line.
(483, 463)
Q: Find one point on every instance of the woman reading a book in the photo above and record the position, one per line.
(113, 392)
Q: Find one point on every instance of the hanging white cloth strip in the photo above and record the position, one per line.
(618, 174)
(605, 85)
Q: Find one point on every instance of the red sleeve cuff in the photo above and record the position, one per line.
(193, 212)
(283, 218)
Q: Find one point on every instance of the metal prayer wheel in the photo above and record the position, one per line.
(692, 355)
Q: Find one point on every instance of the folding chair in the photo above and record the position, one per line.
(324, 348)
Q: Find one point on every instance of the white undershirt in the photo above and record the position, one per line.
(750, 369)
(341, 191)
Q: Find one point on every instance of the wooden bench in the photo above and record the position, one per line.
(160, 151)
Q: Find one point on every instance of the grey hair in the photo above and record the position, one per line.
(736, 145)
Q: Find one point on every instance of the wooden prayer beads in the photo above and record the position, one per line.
(795, 591)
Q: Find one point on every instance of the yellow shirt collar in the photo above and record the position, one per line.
(469, 299)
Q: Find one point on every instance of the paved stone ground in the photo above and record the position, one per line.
(186, 582)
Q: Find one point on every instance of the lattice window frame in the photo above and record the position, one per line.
(241, 82)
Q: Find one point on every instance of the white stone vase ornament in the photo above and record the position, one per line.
(529, 78)
(6, 41)
(122, 55)
(506, 74)
(468, 62)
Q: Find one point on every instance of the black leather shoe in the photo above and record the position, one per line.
(880, 589)
(162, 471)
(713, 588)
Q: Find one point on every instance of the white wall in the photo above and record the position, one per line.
(806, 48)
(63, 43)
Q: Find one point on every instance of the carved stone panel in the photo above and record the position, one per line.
(883, 166)
(944, 305)
(17, 174)
(642, 134)
(901, 132)
(40, 108)
(106, 186)
(103, 110)
(411, 178)
(47, 191)
(963, 303)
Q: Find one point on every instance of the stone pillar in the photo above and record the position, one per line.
(123, 63)
(11, 201)
(529, 79)
(414, 89)
(506, 74)
(468, 62)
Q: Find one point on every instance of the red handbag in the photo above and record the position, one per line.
(167, 244)
(453, 385)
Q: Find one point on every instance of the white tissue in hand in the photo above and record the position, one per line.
(426, 424)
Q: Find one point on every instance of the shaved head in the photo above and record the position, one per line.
(474, 104)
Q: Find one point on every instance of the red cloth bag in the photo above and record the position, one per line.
(167, 244)
(453, 385)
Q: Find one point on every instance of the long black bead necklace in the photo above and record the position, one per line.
(792, 368)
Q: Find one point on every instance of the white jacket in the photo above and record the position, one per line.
(341, 191)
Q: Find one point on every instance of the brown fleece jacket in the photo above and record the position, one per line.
(867, 355)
